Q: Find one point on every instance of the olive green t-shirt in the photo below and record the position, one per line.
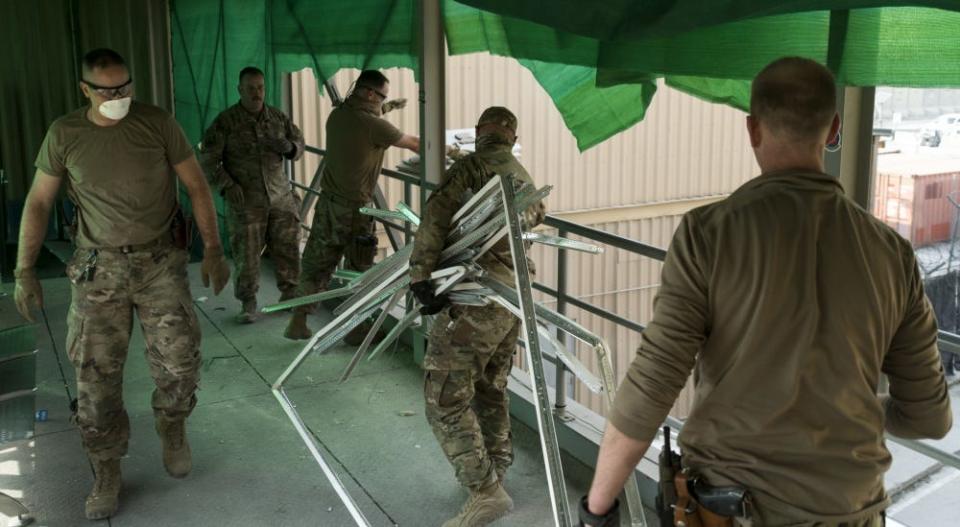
(357, 138)
(120, 177)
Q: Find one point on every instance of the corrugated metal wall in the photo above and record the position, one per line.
(618, 281)
(684, 149)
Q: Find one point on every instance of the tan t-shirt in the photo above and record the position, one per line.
(788, 301)
(357, 138)
(121, 177)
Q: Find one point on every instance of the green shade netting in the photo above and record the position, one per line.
(598, 61)
(866, 47)
(214, 39)
(712, 49)
(563, 65)
(613, 20)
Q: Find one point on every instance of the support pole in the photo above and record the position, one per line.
(560, 384)
(432, 96)
(858, 159)
(855, 162)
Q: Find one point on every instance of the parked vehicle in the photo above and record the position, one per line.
(942, 127)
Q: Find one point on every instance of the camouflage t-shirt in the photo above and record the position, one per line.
(233, 154)
(357, 138)
(120, 177)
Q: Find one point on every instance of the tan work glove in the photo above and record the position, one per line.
(454, 152)
(234, 195)
(27, 293)
(394, 104)
(214, 268)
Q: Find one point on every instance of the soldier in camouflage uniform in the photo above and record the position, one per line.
(471, 349)
(118, 158)
(357, 138)
(243, 153)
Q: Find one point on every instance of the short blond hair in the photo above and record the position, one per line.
(794, 96)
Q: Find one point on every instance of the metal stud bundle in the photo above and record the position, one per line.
(483, 221)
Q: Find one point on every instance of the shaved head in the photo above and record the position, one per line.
(795, 98)
(101, 59)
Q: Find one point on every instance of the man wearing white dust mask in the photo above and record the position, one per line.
(121, 162)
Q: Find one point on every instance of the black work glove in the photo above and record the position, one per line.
(432, 304)
(279, 145)
(234, 195)
(610, 519)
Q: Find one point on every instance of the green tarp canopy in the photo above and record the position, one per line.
(598, 61)
(214, 39)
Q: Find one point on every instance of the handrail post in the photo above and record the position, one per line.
(407, 197)
(432, 94)
(560, 382)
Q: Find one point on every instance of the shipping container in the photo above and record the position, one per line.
(913, 193)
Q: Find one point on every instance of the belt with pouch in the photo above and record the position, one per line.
(701, 505)
(686, 500)
(339, 200)
(161, 241)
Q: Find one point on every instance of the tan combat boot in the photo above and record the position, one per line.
(501, 471)
(248, 313)
(105, 496)
(176, 450)
(297, 328)
(483, 507)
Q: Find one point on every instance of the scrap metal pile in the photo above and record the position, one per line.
(483, 221)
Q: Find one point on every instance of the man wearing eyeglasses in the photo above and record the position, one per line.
(243, 153)
(119, 157)
(357, 138)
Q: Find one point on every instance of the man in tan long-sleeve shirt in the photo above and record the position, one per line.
(788, 301)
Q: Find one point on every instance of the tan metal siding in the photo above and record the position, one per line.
(618, 281)
(684, 148)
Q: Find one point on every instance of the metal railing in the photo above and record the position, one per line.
(948, 342)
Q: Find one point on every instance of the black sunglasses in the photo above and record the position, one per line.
(382, 95)
(112, 92)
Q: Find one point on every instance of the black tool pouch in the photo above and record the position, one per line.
(181, 230)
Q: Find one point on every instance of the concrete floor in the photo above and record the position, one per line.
(250, 467)
(932, 495)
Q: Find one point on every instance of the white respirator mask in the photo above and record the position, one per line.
(115, 109)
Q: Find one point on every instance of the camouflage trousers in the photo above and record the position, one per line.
(338, 231)
(153, 283)
(467, 365)
(251, 228)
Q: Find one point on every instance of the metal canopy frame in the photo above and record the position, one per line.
(548, 431)
(947, 341)
(384, 285)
